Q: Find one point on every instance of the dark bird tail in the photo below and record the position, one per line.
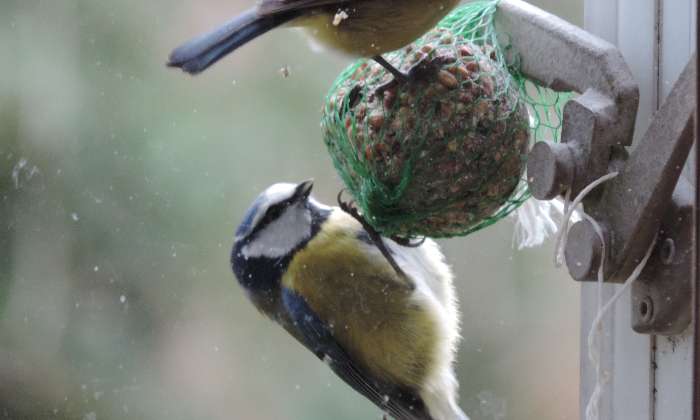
(198, 54)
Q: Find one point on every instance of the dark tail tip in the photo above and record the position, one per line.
(191, 66)
(197, 55)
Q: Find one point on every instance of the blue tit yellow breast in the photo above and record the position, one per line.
(369, 310)
(374, 27)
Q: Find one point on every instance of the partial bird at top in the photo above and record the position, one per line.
(365, 28)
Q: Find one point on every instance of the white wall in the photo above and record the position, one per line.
(650, 378)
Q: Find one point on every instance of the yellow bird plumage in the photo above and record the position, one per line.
(366, 28)
(355, 290)
(374, 27)
(313, 269)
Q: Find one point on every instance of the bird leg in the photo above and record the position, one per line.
(421, 69)
(349, 208)
(399, 76)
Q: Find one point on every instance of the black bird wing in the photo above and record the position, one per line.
(400, 402)
(272, 7)
(198, 54)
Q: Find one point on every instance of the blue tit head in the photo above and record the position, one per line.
(281, 220)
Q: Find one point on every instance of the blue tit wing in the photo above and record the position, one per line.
(402, 403)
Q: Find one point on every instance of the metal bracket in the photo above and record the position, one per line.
(597, 127)
(598, 123)
(632, 205)
(644, 201)
(661, 297)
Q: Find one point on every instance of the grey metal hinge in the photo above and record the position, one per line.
(646, 197)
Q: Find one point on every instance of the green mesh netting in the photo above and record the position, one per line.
(442, 154)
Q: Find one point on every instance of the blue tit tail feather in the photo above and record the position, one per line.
(401, 402)
(198, 54)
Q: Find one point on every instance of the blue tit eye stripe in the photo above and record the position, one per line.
(247, 225)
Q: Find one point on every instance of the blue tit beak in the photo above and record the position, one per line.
(303, 190)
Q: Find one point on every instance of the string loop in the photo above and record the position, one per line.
(594, 341)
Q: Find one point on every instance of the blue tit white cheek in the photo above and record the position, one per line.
(281, 236)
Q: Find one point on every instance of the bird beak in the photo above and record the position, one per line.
(303, 190)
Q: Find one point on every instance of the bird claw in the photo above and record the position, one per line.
(349, 208)
(423, 68)
(398, 76)
(408, 242)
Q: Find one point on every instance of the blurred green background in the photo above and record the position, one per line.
(121, 183)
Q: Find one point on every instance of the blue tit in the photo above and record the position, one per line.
(366, 28)
(390, 334)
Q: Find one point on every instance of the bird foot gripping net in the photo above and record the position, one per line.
(443, 153)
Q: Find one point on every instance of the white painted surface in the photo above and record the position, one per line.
(589, 296)
(626, 355)
(625, 359)
(630, 24)
(656, 38)
(677, 41)
(637, 41)
(674, 377)
(632, 375)
(678, 23)
(600, 17)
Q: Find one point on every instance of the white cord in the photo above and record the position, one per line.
(563, 233)
(593, 406)
(594, 347)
